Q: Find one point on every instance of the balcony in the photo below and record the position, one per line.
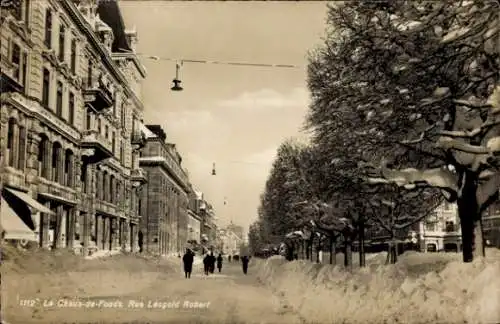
(138, 138)
(98, 97)
(8, 83)
(99, 148)
(138, 177)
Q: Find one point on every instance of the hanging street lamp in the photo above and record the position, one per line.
(176, 81)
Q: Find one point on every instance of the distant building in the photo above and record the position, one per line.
(236, 229)
(441, 231)
(164, 200)
(491, 225)
(194, 219)
(231, 242)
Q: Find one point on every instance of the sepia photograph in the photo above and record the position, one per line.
(250, 162)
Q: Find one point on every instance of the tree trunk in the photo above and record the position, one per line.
(392, 252)
(306, 246)
(470, 219)
(362, 256)
(348, 254)
(333, 252)
(318, 243)
(311, 249)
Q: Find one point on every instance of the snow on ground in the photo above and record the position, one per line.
(421, 288)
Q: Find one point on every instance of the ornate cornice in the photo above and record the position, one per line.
(105, 56)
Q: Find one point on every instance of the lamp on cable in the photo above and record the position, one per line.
(213, 169)
(176, 81)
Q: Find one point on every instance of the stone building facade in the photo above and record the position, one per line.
(70, 122)
(164, 200)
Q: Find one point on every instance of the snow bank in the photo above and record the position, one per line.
(421, 288)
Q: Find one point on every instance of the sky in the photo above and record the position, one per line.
(233, 116)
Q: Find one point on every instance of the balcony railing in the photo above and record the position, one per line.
(8, 80)
(98, 96)
(101, 148)
(138, 176)
(138, 138)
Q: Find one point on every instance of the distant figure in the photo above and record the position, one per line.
(229, 258)
(219, 262)
(244, 262)
(212, 262)
(188, 259)
(140, 239)
(206, 263)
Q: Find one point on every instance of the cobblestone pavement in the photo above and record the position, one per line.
(229, 297)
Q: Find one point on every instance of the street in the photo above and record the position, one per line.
(149, 297)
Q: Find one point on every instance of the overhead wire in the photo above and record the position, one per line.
(217, 62)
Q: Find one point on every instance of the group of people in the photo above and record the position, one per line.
(209, 262)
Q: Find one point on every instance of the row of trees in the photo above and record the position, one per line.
(405, 112)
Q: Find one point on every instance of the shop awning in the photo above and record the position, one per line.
(30, 201)
(14, 227)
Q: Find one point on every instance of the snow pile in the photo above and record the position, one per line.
(421, 288)
(102, 254)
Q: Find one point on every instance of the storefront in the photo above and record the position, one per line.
(21, 216)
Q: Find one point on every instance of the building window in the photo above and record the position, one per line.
(450, 227)
(122, 154)
(16, 61)
(59, 99)
(106, 132)
(68, 168)
(113, 142)
(11, 142)
(43, 162)
(431, 227)
(122, 110)
(56, 155)
(46, 87)
(71, 109)
(88, 120)
(83, 177)
(62, 39)
(25, 72)
(89, 75)
(73, 56)
(48, 28)
(22, 148)
(27, 11)
(99, 126)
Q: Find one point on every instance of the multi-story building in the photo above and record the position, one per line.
(164, 201)
(441, 230)
(70, 115)
(231, 242)
(194, 218)
(491, 225)
(236, 229)
(208, 225)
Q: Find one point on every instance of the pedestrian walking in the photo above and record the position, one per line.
(212, 262)
(219, 262)
(206, 264)
(244, 262)
(188, 259)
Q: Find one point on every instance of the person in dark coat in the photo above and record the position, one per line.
(206, 264)
(212, 262)
(229, 258)
(188, 259)
(219, 262)
(244, 262)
